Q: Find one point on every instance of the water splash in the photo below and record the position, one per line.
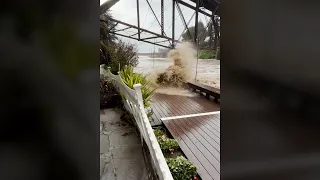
(183, 58)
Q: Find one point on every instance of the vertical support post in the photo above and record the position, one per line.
(162, 19)
(173, 17)
(196, 23)
(196, 41)
(138, 16)
(195, 78)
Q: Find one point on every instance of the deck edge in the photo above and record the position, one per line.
(190, 115)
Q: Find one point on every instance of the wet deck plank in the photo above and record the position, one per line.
(164, 105)
(199, 143)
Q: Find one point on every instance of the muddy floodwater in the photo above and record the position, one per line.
(208, 71)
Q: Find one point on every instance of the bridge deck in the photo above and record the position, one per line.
(199, 139)
(164, 105)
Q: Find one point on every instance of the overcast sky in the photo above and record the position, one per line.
(125, 10)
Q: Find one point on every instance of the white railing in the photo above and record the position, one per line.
(133, 102)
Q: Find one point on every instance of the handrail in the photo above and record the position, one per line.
(133, 102)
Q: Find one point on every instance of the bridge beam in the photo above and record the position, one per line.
(167, 39)
(196, 23)
(169, 47)
(135, 27)
(183, 20)
(162, 37)
(153, 37)
(192, 7)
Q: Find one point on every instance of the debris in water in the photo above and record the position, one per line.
(178, 74)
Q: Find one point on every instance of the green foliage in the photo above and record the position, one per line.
(119, 55)
(166, 144)
(207, 54)
(130, 78)
(181, 168)
(149, 113)
(158, 133)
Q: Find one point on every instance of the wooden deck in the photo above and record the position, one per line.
(208, 90)
(199, 136)
(199, 139)
(164, 105)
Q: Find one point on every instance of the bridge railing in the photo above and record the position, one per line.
(133, 102)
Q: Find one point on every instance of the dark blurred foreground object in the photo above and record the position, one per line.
(270, 90)
(49, 111)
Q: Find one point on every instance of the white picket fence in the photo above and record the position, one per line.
(133, 103)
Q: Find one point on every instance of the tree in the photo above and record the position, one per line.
(202, 34)
(120, 54)
(216, 31)
(105, 27)
(211, 31)
(106, 37)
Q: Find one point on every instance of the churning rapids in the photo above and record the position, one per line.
(208, 70)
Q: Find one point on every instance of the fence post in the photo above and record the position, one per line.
(137, 89)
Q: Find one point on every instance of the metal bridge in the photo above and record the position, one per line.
(209, 8)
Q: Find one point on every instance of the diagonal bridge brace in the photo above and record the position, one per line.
(153, 34)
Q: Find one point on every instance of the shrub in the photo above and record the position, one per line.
(158, 133)
(168, 145)
(119, 55)
(207, 54)
(130, 78)
(181, 168)
(108, 94)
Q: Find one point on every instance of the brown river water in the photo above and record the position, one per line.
(208, 71)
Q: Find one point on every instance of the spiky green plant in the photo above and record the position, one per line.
(130, 78)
